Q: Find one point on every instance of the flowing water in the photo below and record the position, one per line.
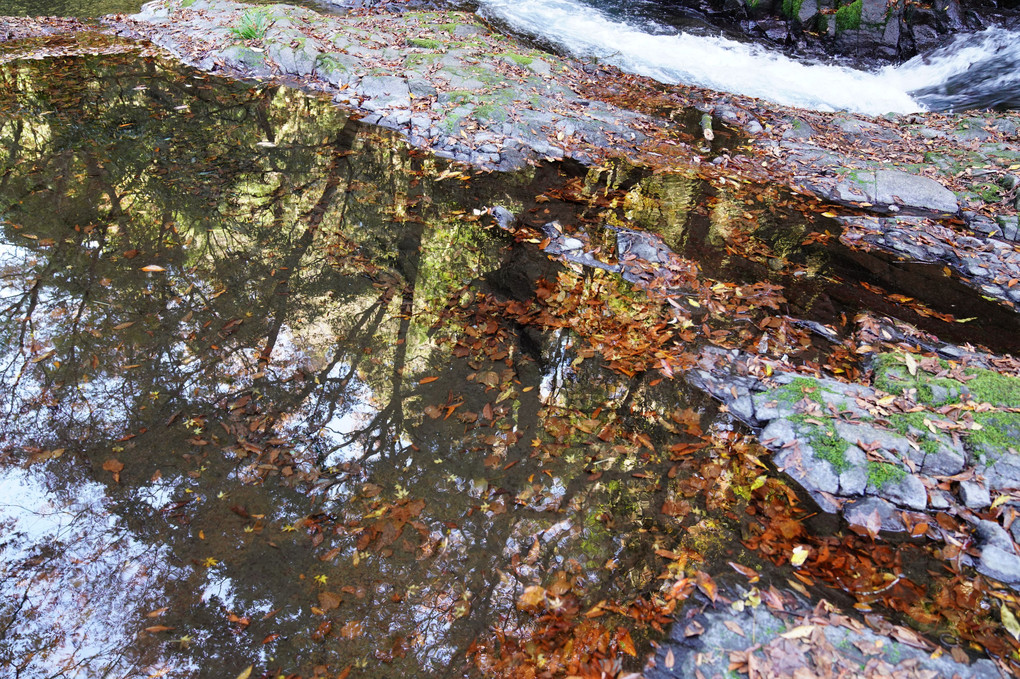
(974, 71)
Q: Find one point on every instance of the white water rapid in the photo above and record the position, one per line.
(942, 79)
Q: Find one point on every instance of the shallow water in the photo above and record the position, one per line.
(259, 408)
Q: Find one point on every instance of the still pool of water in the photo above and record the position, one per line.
(261, 408)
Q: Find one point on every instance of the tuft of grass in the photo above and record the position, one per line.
(848, 17)
(252, 25)
(881, 473)
(791, 8)
(425, 43)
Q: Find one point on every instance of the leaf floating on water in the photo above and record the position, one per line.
(246, 672)
(152, 268)
(427, 380)
(122, 326)
(799, 556)
(115, 467)
(158, 628)
(532, 597)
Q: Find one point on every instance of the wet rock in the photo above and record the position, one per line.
(860, 512)
(974, 495)
(992, 534)
(1000, 564)
(842, 649)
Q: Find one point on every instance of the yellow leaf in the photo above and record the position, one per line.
(1002, 499)
(1009, 621)
(830, 215)
(532, 597)
(799, 632)
(246, 672)
(800, 555)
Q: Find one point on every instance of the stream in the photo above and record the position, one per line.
(281, 399)
(270, 397)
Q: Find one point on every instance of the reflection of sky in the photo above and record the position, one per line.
(82, 575)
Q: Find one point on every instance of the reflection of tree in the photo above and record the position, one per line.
(266, 391)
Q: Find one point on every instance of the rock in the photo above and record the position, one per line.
(246, 60)
(908, 491)
(883, 188)
(859, 513)
(991, 534)
(1010, 226)
(840, 649)
(800, 463)
(854, 480)
(385, 91)
(974, 495)
(1000, 564)
(945, 461)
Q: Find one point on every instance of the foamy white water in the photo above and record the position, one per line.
(726, 65)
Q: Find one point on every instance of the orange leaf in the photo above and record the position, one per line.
(626, 643)
(426, 380)
(706, 584)
(152, 268)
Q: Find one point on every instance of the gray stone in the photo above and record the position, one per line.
(992, 534)
(906, 492)
(800, 463)
(938, 499)
(974, 495)
(999, 564)
(291, 61)
(421, 88)
(1009, 226)
(859, 513)
(854, 479)
(946, 461)
(384, 91)
(246, 60)
(335, 68)
(882, 188)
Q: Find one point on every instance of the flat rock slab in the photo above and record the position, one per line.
(891, 191)
(707, 644)
(440, 78)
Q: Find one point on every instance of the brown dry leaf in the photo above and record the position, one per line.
(734, 627)
(329, 600)
(694, 629)
(352, 630)
(115, 467)
(798, 632)
(121, 326)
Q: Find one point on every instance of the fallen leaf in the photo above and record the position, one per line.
(246, 672)
(152, 268)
